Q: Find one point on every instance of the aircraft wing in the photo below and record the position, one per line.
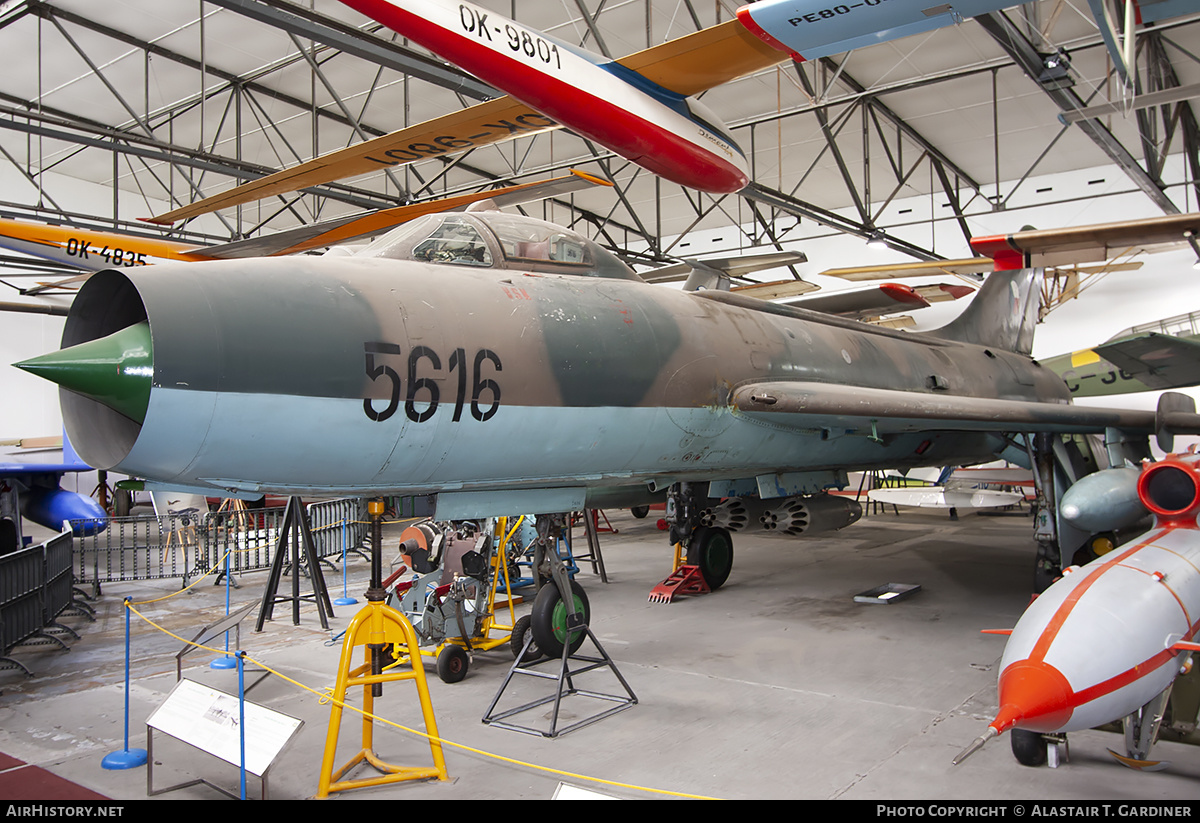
(886, 298)
(738, 266)
(14, 469)
(938, 497)
(891, 271)
(353, 227)
(705, 59)
(20, 463)
(35, 308)
(783, 290)
(1055, 247)
(1158, 360)
(91, 249)
(480, 125)
(870, 302)
(887, 411)
(687, 65)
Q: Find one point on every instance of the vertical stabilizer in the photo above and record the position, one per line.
(1002, 314)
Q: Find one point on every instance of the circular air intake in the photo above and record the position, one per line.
(1170, 489)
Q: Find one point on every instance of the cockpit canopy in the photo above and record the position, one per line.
(498, 241)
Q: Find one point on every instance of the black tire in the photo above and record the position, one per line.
(1043, 576)
(548, 621)
(517, 643)
(640, 512)
(452, 663)
(1029, 748)
(711, 549)
(9, 540)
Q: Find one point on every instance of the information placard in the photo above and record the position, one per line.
(208, 719)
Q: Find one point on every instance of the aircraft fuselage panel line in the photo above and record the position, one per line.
(405, 377)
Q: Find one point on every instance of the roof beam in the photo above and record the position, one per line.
(53, 13)
(302, 22)
(911, 133)
(1026, 57)
(787, 203)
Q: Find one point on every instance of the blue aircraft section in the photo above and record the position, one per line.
(818, 28)
(33, 489)
(811, 29)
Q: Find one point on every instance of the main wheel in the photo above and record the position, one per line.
(711, 549)
(1028, 747)
(452, 663)
(517, 643)
(640, 511)
(548, 621)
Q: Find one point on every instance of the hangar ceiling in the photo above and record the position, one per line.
(165, 101)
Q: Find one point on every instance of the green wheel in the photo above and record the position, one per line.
(711, 549)
(548, 621)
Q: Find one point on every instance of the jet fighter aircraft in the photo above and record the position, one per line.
(502, 364)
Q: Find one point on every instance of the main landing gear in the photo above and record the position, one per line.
(703, 554)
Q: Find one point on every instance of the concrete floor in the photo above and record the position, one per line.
(777, 686)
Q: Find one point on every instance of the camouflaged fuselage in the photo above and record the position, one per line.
(350, 375)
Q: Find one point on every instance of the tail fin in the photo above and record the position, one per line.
(1002, 314)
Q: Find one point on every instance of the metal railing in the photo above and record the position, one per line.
(190, 544)
(35, 588)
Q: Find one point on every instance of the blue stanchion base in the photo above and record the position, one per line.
(226, 662)
(344, 601)
(124, 759)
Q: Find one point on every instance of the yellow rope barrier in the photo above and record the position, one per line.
(327, 698)
(215, 567)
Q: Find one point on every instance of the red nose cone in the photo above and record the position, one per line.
(1034, 696)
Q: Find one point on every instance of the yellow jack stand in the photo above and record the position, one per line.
(375, 626)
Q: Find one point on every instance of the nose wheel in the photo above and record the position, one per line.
(551, 622)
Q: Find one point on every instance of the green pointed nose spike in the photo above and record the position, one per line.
(116, 370)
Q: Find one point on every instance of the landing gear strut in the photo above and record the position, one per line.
(1048, 566)
(554, 616)
(708, 549)
(556, 628)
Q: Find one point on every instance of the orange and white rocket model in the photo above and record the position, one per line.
(1106, 641)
